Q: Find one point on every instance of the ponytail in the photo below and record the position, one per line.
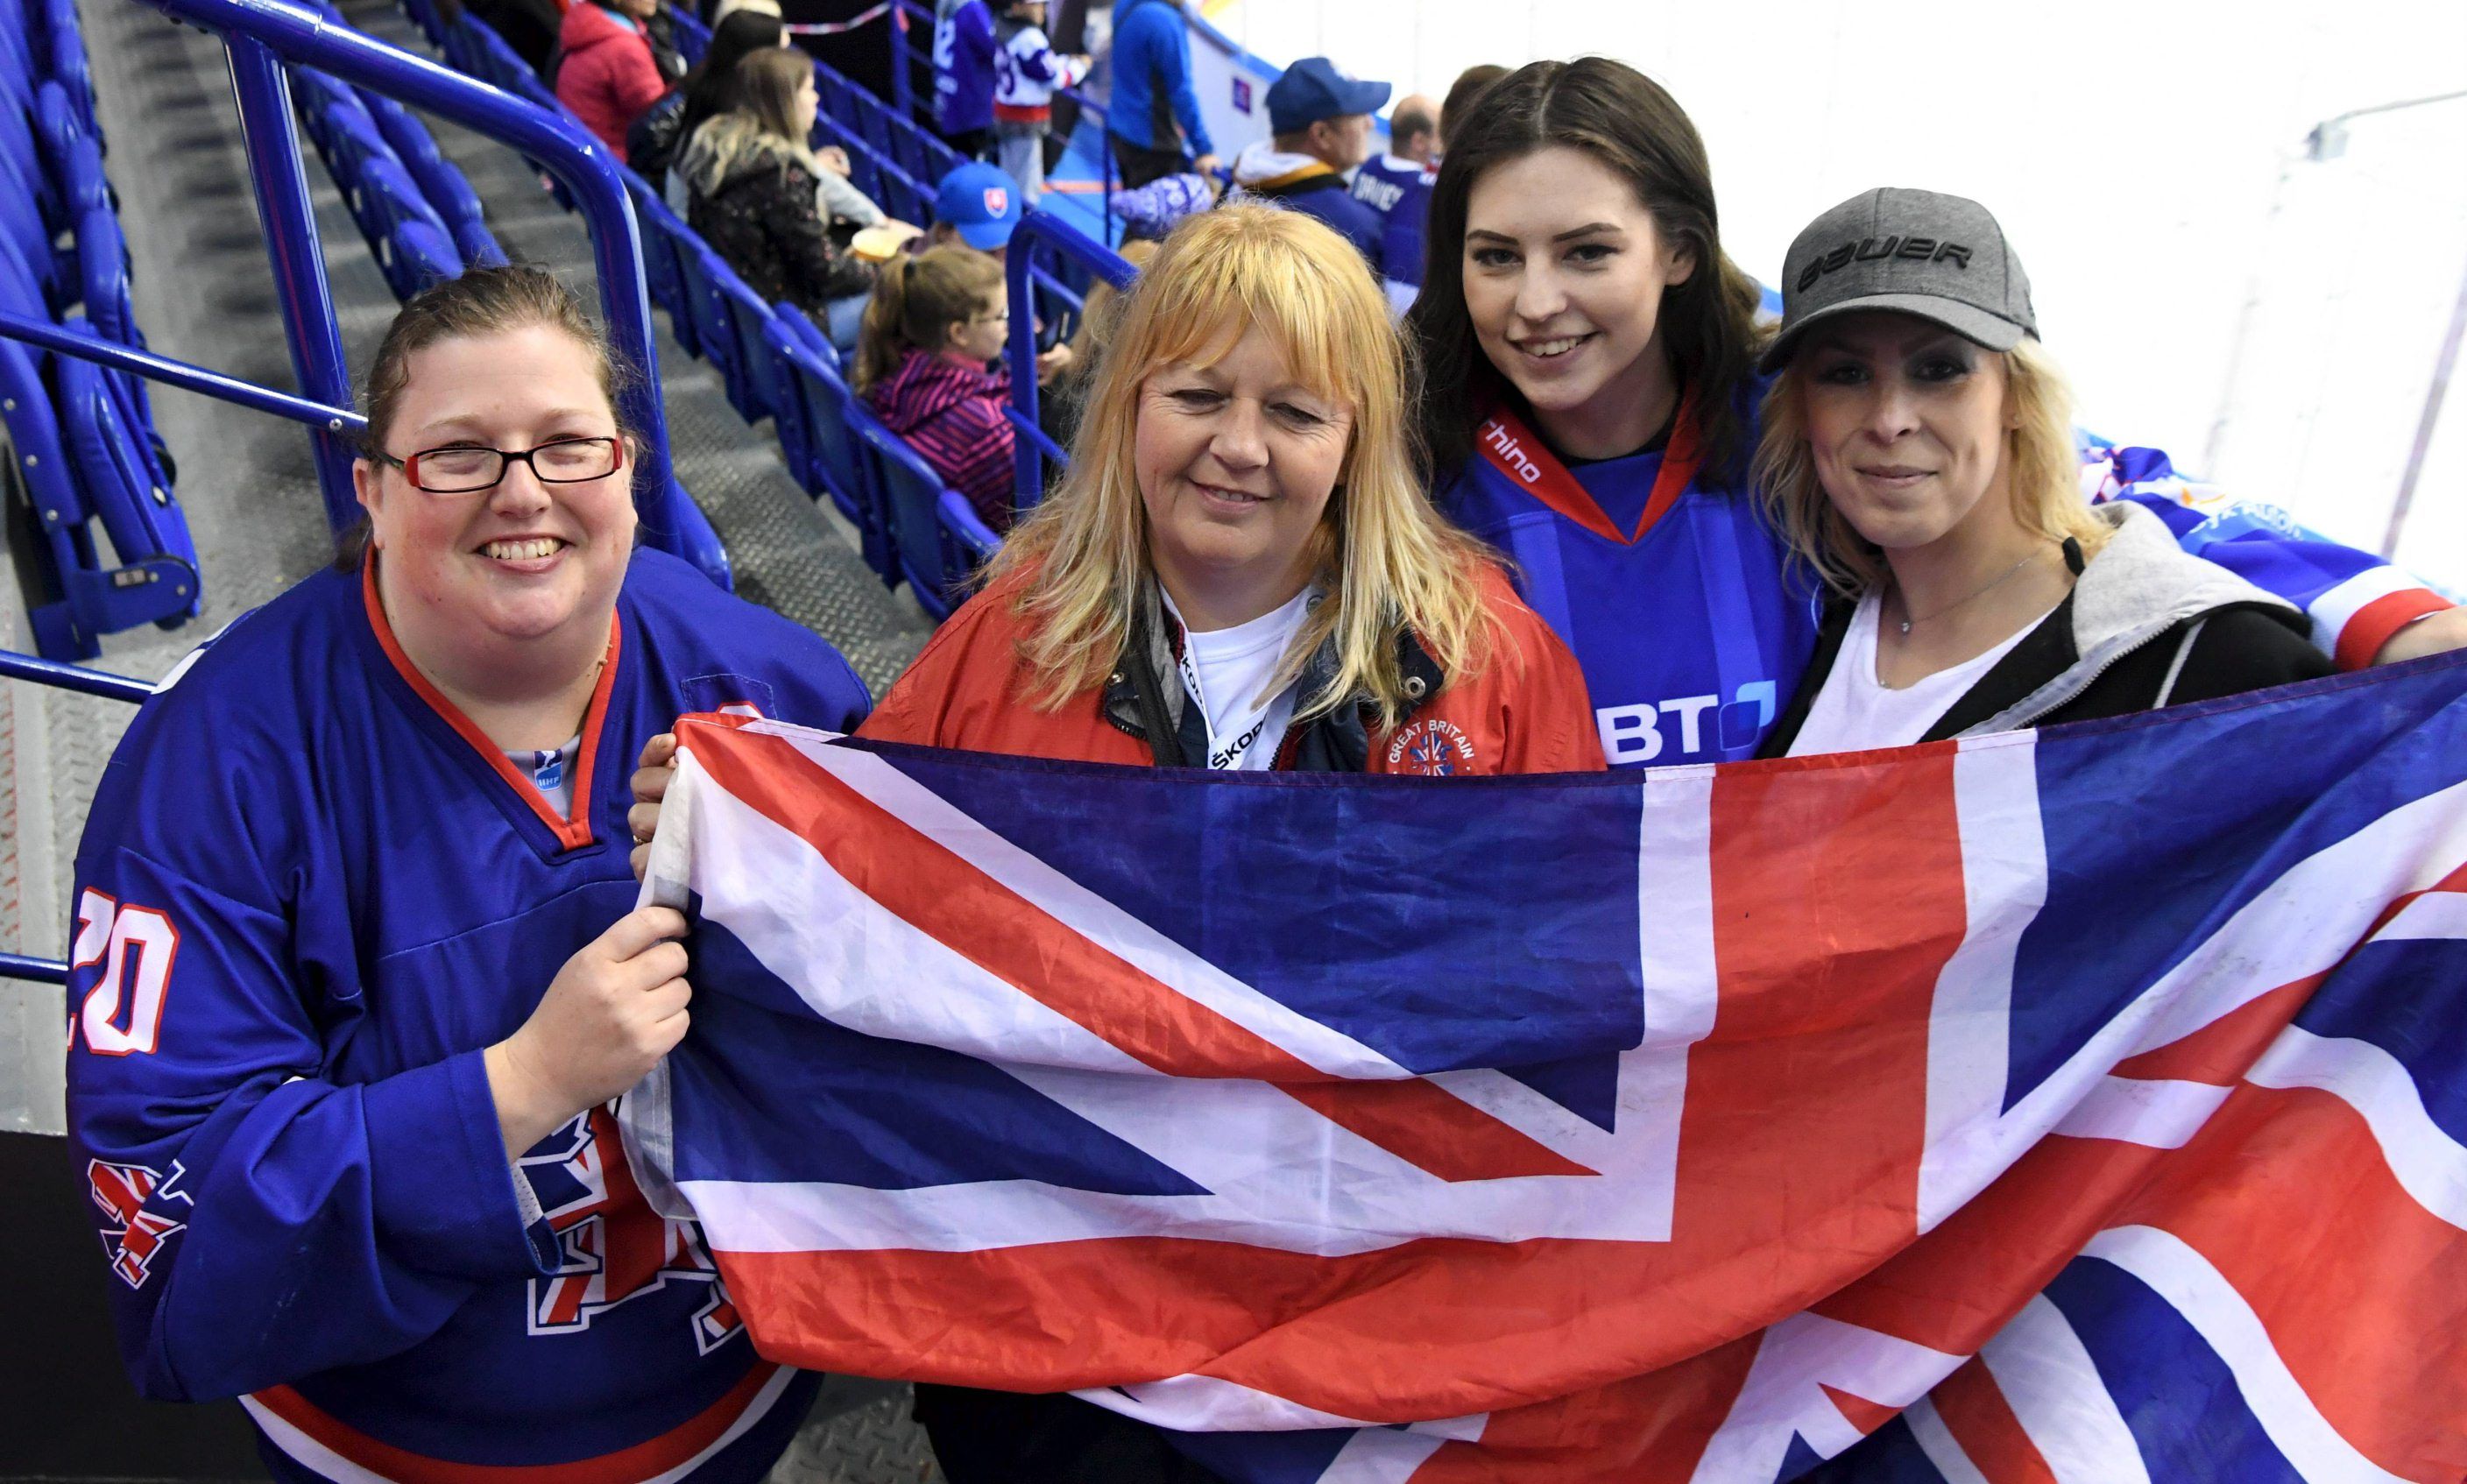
(915, 302)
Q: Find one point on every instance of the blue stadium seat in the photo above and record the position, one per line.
(660, 231)
(69, 69)
(965, 537)
(839, 462)
(87, 595)
(719, 301)
(449, 192)
(937, 568)
(791, 416)
(73, 156)
(415, 254)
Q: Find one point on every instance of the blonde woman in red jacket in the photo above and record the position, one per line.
(1239, 570)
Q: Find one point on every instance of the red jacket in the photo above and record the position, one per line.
(1525, 711)
(607, 75)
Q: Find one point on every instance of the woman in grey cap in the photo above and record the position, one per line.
(1918, 454)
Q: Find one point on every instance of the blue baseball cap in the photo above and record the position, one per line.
(1315, 88)
(981, 202)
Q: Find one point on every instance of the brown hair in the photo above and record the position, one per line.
(1463, 92)
(1626, 121)
(916, 301)
(764, 84)
(487, 300)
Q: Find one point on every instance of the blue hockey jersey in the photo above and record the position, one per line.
(1399, 190)
(1692, 623)
(963, 68)
(309, 893)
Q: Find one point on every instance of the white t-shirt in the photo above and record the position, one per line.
(1855, 711)
(551, 773)
(1224, 673)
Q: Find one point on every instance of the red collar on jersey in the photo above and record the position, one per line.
(1514, 450)
(573, 831)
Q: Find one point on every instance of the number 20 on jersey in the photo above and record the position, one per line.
(122, 1014)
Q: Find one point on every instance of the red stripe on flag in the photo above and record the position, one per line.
(1973, 1410)
(2286, 1192)
(1858, 1412)
(934, 889)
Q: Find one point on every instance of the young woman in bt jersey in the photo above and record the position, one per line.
(1593, 401)
(359, 960)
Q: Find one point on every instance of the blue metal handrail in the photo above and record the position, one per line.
(263, 34)
(72, 677)
(1037, 229)
(51, 337)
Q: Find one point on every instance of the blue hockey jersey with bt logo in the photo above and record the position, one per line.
(309, 893)
(1693, 625)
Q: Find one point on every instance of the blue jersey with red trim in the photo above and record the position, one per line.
(309, 893)
(1692, 623)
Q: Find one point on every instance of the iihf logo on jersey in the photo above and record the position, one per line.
(1433, 748)
(121, 1191)
(611, 1245)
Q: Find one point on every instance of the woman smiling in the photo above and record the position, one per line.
(1239, 570)
(1917, 453)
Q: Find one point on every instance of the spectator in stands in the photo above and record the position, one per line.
(1918, 453)
(383, 814)
(752, 181)
(1151, 210)
(936, 320)
(527, 25)
(1397, 186)
(963, 76)
(1027, 70)
(1463, 94)
(605, 71)
(651, 147)
(976, 205)
(1321, 119)
(1153, 124)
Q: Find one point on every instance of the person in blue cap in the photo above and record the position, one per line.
(976, 204)
(1321, 116)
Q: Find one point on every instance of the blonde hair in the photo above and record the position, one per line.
(2042, 470)
(916, 301)
(1387, 561)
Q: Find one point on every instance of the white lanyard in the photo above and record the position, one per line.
(1232, 754)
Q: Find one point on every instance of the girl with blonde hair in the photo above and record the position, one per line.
(1917, 457)
(1241, 516)
(751, 178)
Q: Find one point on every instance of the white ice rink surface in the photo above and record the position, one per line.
(2146, 159)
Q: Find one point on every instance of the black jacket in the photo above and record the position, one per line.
(760, 216)
(2145, 626)
(1144, 698)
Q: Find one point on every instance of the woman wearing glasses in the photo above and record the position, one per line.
(356, 968)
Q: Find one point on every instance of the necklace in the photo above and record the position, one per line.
(1909, 617)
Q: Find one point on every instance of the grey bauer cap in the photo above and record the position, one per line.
(1938, 257)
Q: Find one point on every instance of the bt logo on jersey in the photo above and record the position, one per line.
(1633, 735)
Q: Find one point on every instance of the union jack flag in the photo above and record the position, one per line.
(2083, 1106)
